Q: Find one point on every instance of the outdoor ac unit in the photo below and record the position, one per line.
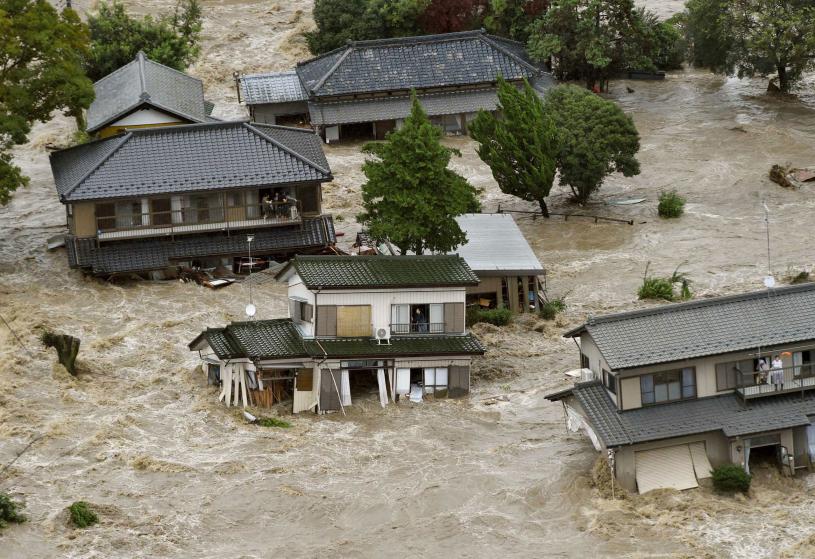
(587, 375)
(383, 336)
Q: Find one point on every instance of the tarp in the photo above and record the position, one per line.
(665, 468)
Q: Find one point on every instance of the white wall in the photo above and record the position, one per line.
(297, 290)
(145, 116)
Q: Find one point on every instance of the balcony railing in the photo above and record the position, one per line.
(779, 381)
(195, 220)
(417, 328)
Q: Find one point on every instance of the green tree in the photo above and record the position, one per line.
(511, 18)
(663, 42)
(410, 196)
(341, 21)
(590, 40)
(596, 138)
(116, 37)
(520, 146)
(708, 33)
(40, 72)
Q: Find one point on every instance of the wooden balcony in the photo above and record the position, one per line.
(797, 378)
(193, 220)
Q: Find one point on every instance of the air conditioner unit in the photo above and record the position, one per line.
(383, 336)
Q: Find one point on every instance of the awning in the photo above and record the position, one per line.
(665, 468)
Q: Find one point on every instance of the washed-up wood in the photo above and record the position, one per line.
(67, 349)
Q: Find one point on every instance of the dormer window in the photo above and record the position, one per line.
(301, 310)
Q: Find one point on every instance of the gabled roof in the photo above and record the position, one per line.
(719, 413)
(276, 87)
(495, 245)
(451, 59)
(143, 82)
(259, 339)
(280, 339)
(190, 158)
(353, 272)
(705, 327)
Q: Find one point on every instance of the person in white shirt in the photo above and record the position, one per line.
(777, 373)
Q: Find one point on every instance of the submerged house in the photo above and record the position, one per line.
(363, 89)
(684, 387)
(509, 272)
(188, 195)
(358, 324)
(145, 94)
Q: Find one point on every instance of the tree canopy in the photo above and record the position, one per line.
(40, 72)
(116, 37)
(754, 37)
(410, 196)
(596, 138)
(512, 18)
(520, 146)
(592, 40)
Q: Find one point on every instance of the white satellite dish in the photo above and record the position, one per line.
(251, 310)
(769, 282)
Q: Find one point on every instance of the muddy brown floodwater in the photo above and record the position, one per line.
(138, 433)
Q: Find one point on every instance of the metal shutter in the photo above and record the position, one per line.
(665, 468)
(454, 318)
(701, 465)
(458, 381)
(326, 320)
(329, 395)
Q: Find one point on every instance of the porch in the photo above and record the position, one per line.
(797, 378)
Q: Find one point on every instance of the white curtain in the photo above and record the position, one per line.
(402, 381)
(797, 360)
(383, 392)
(747, 456)
(811, 441)
(345, 389)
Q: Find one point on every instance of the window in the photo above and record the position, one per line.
(435, 380)
(300, 310)
(304, 380)
(417, 319)
(668, 386)
(610, 381)
(584, 361)
(734, 374)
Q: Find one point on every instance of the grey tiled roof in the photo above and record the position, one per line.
(470, 57)
(280, 339)
(727, 414)
(391, 108)
(349, 272)
(179, 159)
(705, 327)
(159, 253)
(144, 82)
(276, 87)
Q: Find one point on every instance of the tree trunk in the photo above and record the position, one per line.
(544, 209)
(67, 349)
(783, 81)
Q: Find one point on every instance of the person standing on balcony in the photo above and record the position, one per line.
(762, 371)
(777, 373)
(267, 206)
(420, 321)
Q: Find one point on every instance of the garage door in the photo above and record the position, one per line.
(701, 465)
(665, 468)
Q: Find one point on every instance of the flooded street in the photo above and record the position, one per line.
(139, 434)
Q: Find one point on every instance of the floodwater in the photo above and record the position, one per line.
(140, 436)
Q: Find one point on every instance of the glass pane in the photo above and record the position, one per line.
(674, 391)
(688, 392)
(436, 313)
(647, 383)
(441, 377)
(661, 392)
(429, 377)
(688, 377)
(647, 397)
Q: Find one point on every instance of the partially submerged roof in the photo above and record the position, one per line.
(352, 272)
(496, 246)
(720, 413)
(704, 327)
(404, 63)
(190, 158)
(280, 339)
(275, 87)
(143, 82)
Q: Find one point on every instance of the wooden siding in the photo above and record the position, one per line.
(354, 321)
(84, 219)
(327, 320)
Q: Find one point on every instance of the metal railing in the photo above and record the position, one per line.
(417, 328)
(192, 219)
(796, 378)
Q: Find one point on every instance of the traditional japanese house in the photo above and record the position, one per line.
(145, 94)
(683, 387)
(509, 272)
(357, 324)
(363, 89)
(152, 198)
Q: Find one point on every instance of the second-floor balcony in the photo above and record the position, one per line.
(417, 328)
(776, 381)
(195, 220)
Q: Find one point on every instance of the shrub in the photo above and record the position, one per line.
(671, 204)
(498, 317)
(654, 287)
(730, 478)
(801, 277)
(81, 515)
(273, 422)
(9, 511)
(550, 309)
